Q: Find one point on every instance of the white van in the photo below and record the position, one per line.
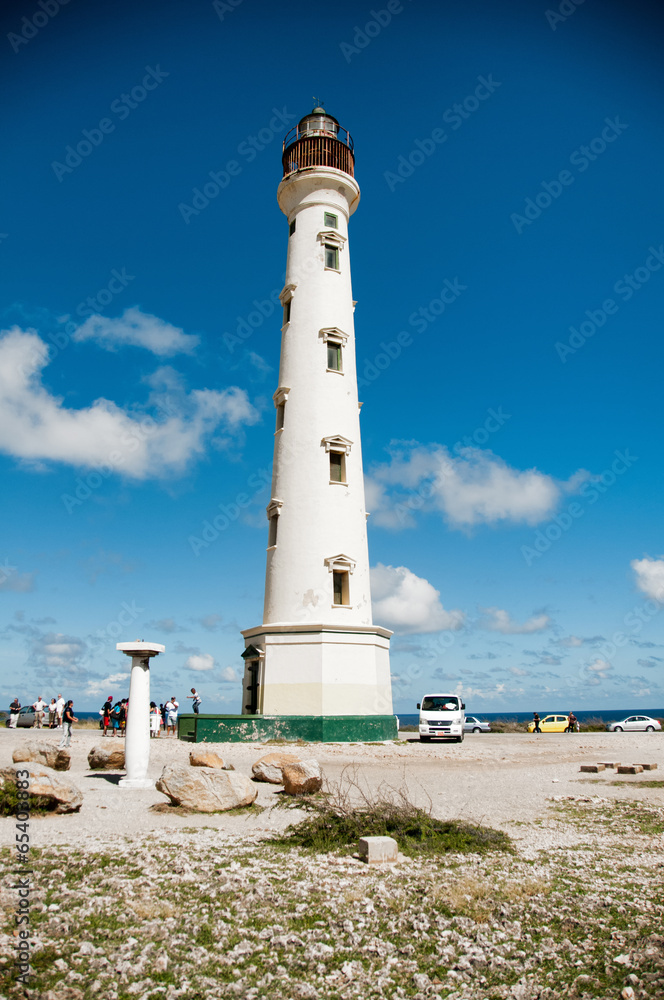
(442, 715)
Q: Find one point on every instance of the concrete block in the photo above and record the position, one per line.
(592, 768)
(649, 767)
(610, 763)
(378, 850)
(630, 769)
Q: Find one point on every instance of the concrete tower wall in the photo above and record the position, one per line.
(318, 519)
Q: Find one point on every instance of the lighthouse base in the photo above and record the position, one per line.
(317, 670)
(287, 728)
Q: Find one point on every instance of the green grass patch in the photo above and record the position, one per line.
(38, 805)
(415, 830)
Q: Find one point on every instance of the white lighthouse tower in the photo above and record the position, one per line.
(317, 653)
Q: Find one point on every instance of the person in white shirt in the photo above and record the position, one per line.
(59, 709)
(39, 707)
(197, 700)
(172, 714)
(168, 709)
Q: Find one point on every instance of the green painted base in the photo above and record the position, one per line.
(289, 728)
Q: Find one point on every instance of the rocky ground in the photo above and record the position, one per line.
(132, 902)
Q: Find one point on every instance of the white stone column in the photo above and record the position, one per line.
(137, 732)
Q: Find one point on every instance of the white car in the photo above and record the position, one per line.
(634, 723)
(475, 725)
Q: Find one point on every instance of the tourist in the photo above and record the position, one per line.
(115, 717)
(155, 720)
(52, 714)
(572, 723)
(124, 704)
(14, 709)
(39, 707)
(171, 708)
(536, 720)
(196, 704)
(59, 709)
(106, 710)
(67, 719)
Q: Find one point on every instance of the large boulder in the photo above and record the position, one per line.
(44, 781)
(270, 767)
(302, 778)
(208, 758)
(110, 758)
(206, 789)
(41, 752)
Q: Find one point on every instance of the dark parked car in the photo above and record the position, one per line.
(26, 717)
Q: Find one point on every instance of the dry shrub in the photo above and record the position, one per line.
(350, 809)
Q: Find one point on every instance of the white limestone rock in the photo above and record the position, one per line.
(42, 752)
(206, 789)
(302, 778)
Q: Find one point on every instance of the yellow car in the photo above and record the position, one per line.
(551, 724)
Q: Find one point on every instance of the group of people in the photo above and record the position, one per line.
(572, 723)
(162, 717)
(45, 715)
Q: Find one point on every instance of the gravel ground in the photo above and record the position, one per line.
(130, 902)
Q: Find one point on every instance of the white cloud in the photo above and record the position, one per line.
(650, 577)
(498, 620)
(598, 668)
(35, 425)
(229, 674)
(57, 650)
(165, 625)
(472, 487)
(409, 603)
(136, 329)
(200, 661)
(11, 579)
(107, 684)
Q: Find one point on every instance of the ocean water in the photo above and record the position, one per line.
(607, 715)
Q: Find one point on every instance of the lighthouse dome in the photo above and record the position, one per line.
(318, 122)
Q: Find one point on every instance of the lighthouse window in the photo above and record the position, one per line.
(333, 356)
(287, 309)
(291, 228)
(337, 467)
(331, 221)
(280, 416)
(340, 587)
(272, 533)
(331, 257)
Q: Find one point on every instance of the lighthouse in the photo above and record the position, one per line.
(317, 654)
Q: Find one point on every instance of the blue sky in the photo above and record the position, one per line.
(508, 262)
